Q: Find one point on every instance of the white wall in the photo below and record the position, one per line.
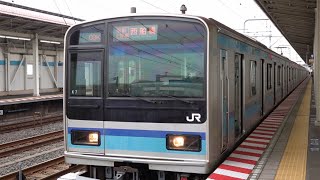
(22, 82)
(18, 83)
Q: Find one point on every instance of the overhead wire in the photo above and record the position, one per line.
(70, 11)
(155, 6)
(231, 9)
(60, 11)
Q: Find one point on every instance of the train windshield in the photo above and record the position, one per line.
(156, 58)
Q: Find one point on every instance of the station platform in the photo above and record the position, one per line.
(8, 100)
(284, 146)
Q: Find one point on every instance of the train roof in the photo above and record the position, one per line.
(231, 32)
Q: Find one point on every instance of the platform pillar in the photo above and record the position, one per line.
(316, 73)
(35, 50)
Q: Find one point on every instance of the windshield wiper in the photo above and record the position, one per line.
(176, 98)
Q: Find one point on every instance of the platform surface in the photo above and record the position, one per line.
(296, 155)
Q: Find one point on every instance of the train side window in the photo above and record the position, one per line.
(289, 74)
(269, 79)
(279, 76)
(293, 74)
(253, 75)
(85, 74)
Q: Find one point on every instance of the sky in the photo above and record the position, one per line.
(236, 14)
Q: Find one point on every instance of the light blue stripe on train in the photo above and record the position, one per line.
(145, 144)
(129, 140)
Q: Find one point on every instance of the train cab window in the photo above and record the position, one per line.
(269, 79)
(253, 68)
(279, 76)
(87, 35)
(156, 58)
(85, 74)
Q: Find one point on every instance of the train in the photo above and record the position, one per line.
(165, 96)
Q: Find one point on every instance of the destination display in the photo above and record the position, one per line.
(135, 33)
(90, 37)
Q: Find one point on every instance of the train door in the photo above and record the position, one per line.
(262, 86)
(238, 95)
(225, 99)
(85, 91)
(274, 83)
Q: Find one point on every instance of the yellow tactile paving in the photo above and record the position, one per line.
(293, 162)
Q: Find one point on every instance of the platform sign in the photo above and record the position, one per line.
(1, 112)
(135, 33)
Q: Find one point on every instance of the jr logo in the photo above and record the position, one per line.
(194, 116)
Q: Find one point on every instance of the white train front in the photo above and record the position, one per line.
(165, 96)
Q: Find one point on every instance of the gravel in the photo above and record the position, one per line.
(34, 160)
(22, 134)
(35, 156)
(21, 155)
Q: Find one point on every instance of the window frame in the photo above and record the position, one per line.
(104, 46)
(205, 58)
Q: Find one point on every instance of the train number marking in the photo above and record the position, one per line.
(194, 116)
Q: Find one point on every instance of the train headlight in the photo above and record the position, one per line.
(85, 137)
(184, 142)
(94, 137)
(178, 141)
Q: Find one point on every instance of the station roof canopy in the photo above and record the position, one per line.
(22, 21)
(296, 21)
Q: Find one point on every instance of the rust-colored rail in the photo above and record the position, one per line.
(30, 123)
(46, 171)
(30, 143)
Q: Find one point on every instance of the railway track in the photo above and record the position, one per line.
(48, 170)
(30, 143)
(30, 123)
